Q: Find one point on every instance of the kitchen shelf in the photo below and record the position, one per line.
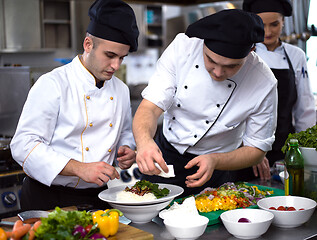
(56, 24)
(56, 21)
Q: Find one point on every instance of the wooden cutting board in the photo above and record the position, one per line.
(125, 232)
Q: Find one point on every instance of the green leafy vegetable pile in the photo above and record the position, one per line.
(60, 224)
(307, 138)
(144, 186)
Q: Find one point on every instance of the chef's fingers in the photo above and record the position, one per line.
(109, 172)
(146, 162)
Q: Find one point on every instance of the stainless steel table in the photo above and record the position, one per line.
(218, 231)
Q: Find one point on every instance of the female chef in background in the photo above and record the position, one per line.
(296, 105)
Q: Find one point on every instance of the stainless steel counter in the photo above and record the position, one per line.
(218, 231)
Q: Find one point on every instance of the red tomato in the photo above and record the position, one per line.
(88, 228)
(301, 209)
(281, 208)
(291, 209)
(272, 208)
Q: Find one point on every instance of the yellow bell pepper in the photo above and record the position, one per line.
(108, 221)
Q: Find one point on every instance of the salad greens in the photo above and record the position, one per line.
(144, 186)
(307, 138)
(60, 224)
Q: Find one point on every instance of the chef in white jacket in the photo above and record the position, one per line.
(77, 119)
(219, 101)
(296, 104)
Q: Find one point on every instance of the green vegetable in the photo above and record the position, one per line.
(151, 187)
(60, 224)
(307, 138)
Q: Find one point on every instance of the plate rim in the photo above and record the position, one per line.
(159, 200)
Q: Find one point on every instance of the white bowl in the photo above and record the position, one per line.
(142, 213)
(260, 221)
(310, 157)
(289, 219)
(186, 228)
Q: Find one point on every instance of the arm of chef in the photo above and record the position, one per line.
(30, 144)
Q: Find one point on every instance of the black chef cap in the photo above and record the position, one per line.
(114, 20)
(258, 6)
(230, 33)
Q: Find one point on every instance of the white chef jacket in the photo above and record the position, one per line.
(66, 116)
(202, 115)
(304, 111)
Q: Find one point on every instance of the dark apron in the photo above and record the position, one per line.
(287, 96)
(172, 156)
(37, 196)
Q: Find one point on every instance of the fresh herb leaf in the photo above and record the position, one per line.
(307, 138)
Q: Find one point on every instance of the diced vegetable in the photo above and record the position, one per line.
(244, 220)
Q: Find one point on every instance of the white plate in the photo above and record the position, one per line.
(110, 195)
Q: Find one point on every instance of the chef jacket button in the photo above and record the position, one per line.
(88, 97)
(195, 136)
(218, 105)
(229, 85)
(111, 98)
(185, 87)
(197, 66)
(87, 148)
(110, 125)
(109, 150)
(284, 58)
(178, 105)
(170, 129)
(207, 121)
(173, 118)
(90, 125)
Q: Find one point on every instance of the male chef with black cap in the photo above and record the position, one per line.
(219, 101)
(77, 118)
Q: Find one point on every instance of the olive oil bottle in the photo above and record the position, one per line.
(294, 170)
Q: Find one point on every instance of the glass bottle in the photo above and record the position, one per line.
(294, 170)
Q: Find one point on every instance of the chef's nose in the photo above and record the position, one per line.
(267, 30)
(115, 64)
(218, 71)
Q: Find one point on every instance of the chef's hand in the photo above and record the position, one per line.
(206, 166)
(95, 172)
(147, 155)
(126, 157)
(263, 169)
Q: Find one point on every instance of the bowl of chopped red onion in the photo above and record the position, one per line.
(247, 223)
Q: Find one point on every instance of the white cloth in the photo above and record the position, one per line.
(304, 111)
(204, 115)
(66, 116)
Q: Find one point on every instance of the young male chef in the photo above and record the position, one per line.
(219, 101)
(77, 118)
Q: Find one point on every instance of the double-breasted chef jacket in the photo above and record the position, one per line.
(66, 116)
(202, 115)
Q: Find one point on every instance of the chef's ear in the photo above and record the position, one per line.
(88, 43)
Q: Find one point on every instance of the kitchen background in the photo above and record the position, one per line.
(39, 35)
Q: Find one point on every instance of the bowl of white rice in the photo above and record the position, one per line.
(139, 209)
